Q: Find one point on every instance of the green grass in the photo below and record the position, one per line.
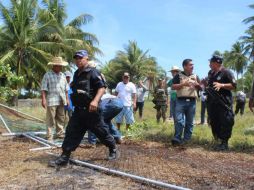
(147, 129)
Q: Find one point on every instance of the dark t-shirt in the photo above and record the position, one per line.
(223, 76)
(95, 80)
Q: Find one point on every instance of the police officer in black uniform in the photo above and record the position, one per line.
(219, 102)
(88, 86)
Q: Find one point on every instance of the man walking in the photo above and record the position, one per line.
(186, 84)
(54, 93)
(126, 91)
(88, 87)
(219, 102)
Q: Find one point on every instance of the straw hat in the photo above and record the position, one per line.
(174, 68)
(58, 61)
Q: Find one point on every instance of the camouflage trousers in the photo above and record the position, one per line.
(161, 112)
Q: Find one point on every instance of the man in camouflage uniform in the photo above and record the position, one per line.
(160, 100)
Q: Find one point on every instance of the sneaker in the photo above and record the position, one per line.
(175, 142)
(61, 136)
(62, 160)
(113, 155)
(118, 140)
(50, 139)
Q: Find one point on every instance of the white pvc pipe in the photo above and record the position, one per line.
(42, 148)
(46, 141)
(36, 140)
(134, 177)
(22, 113)
(21, 133)
(6, 126)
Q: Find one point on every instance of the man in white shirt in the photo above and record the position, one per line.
(126, 91)
(141, 90)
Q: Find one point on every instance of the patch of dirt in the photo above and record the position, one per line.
(23, 169)
(192, 167)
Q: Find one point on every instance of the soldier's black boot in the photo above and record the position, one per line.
(223, 146)
(62, 160)
(113, 154)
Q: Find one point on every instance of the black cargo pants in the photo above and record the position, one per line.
(221, 120)
(80, 122)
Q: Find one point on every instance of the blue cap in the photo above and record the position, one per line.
(217, 59)
(80, 53)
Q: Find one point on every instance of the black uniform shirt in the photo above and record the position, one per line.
(223, 76)
(95, 80)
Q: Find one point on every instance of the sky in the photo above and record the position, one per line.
(171, 30)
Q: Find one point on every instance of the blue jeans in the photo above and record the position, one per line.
(185, 113)
(172, 109)
(110, 107)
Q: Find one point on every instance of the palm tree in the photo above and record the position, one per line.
(249, 19)
(20, 38)
(235, 59)
(135, 61)
(71, 34)
(248, 42)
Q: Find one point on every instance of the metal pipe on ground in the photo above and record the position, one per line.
(42, 148)
(21, 133)
(5, 125)
(124, 174)
(36, 140)
(46, 141)
(7, 107)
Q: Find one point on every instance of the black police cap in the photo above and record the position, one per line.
(217, 59)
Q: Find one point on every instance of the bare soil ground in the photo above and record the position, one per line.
(192, 167)
(23, 169)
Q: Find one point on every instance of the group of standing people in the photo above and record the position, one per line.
(215, 94)
(89, 107)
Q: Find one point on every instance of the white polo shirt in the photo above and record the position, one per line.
(125, 92)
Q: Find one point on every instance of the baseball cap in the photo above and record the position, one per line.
(126, 74)
(68, 74)
(80, 53)
(216, 58)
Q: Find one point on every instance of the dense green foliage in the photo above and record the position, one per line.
(31, 35)
(135, 61)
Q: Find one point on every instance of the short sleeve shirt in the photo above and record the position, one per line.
(96, 81)
(223, 76)
(173, 94)
(125, 92)
(56, 87)
(141, 94)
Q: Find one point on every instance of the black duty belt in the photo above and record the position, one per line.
(187, 99)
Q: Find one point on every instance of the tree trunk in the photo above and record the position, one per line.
(15, 98)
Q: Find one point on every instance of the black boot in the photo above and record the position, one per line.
(113, 154)
(62, 160)
(223, 146)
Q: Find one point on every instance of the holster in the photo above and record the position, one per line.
(80, 100)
